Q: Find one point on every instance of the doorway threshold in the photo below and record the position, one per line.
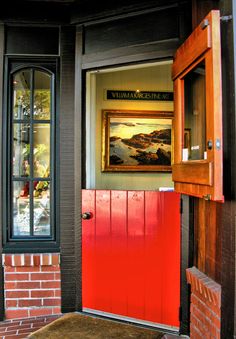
(166, 328)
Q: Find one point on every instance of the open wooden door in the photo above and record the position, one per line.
(196, 71)
(131, 255)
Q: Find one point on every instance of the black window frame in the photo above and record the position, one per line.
(30, 243)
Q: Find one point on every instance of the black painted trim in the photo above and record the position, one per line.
(1, 178)
(68, 174)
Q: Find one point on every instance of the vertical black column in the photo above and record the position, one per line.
(67, 168)
(79, 159)
(1, 184)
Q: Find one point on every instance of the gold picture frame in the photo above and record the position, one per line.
(135, 140)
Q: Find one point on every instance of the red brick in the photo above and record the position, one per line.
(16, 277)
(42, 293)
(40, 311)
(194, 334)
(9, 269)
(28, 285)
(56, 310)
(201, 316)
(50, 268)
(46, 260)
(10, 285)
(52, 302)
(11, 332)
(57, 293)
(22, 326)
(9, 323)
(14, 314)
(36, 260)
(42, 276)
(11, 303)
(58, 276)
(50, 284)
(28, 269)
(216, 321)
(17, 294)
(30, 302)
(17, 260)
(55, 259)
(8, 260)
(27, 259)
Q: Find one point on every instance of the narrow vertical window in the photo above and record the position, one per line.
(31, 135)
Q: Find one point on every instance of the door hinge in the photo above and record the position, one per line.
(180, 313)
(181, 206)
(226, 18)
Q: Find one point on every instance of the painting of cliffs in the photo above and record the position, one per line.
(139, 141)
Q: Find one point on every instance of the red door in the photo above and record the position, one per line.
(131, 255)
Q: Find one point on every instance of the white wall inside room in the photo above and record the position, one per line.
(145, 78)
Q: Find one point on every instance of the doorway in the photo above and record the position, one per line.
(131, 241)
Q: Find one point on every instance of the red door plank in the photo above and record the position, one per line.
(88, 249)
(103, 260)
(171, 258)
(135, 258)
(153, 258)
(119, 268)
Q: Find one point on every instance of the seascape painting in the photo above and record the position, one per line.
(138, 141)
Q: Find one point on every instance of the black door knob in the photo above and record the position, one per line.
(86, 215)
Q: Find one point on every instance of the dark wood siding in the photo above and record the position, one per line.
(140, 29)
(1, 184)
(67, 169)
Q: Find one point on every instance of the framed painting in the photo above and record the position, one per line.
(137, 141)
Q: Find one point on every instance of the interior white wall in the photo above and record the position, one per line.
(154, 78)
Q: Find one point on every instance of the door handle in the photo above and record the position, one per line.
(86, 215)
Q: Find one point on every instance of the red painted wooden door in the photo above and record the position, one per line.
(131, 254)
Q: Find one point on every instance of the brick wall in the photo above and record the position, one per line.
(205, 305)
(32, 285)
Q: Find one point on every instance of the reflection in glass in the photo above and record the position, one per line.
(21, 95)
(41, 208)
(21, 208)
(195, 113)
(41, 150)
(42, 84)
(21, 150)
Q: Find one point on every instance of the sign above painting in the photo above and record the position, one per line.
(139, 95)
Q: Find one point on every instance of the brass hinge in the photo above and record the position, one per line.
(207, 197)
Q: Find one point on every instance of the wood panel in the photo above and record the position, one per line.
(200, 172)
(131, 254)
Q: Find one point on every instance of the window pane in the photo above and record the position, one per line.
(41, 150)
(41, 208)
(42, 95)
(21, 95)
(21, 150)
(195, 114)
(21, 208)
